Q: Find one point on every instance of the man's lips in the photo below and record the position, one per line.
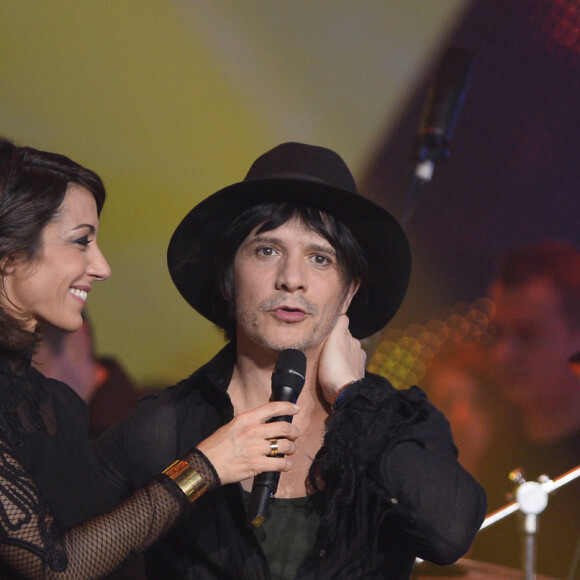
(288, 314)
(288, 309)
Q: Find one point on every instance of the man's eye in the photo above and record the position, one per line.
(321, 260)
(265, 251)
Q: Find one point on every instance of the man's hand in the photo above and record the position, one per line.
(342, 360)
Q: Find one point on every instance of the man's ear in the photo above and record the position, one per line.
(224, 291)
(349, 295)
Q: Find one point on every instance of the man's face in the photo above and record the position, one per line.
(534, 341)
(289, 291)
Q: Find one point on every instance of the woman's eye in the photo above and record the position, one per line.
(84, 241)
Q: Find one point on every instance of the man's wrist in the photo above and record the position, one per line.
(340, 395)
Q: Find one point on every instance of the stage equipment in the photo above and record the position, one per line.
(531, 499)
(443, 105)
(465, 569)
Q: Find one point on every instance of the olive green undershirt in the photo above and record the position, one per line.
(288, 534)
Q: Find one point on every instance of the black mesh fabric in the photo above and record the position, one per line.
(34, 543)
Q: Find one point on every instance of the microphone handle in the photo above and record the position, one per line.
(286, 394)
(266, 484)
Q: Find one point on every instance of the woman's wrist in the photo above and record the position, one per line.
(193, 475)
(190, 482)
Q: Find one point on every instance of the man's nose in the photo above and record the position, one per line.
(291, 275)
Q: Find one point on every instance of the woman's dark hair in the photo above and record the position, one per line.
(33, 185)
(270, 216)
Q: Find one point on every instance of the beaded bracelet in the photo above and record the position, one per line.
(191, 483)
(340, 394)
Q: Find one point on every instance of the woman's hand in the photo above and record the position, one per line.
(241, 448)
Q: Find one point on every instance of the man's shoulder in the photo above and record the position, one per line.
(160, 427)
(376, 396)
(179, 395)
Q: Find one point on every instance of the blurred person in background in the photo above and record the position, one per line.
(71, 357)
(100, 381)
(457, 383)
(536, 293)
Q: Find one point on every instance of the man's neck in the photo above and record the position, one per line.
(251, 384)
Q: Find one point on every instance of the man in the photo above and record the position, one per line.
(537, 322)
(293, 257)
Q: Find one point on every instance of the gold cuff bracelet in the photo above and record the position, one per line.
(189, 481)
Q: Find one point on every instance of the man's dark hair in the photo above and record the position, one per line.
(557, 262)
(270, 216)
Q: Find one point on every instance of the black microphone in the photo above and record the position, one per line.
(287, 382)
(445, 100)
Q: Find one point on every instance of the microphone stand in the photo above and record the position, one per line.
(445, 100)
(420, 177)
(531, 500)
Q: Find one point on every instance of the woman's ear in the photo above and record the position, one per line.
(7, 265)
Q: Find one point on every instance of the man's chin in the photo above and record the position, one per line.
(279, 344)
(278, 337)
(284, 345)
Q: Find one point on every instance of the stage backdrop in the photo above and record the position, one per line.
(170, 100)
(513, 175)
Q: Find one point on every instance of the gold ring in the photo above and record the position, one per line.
(273, 447)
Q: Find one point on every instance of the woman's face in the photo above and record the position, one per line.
(54, 286)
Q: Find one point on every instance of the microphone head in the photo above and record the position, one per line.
(290, 370)
(446, 98)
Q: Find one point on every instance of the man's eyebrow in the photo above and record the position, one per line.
(323, 249)
(265, 238)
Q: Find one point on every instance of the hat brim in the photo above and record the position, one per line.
(385, 245)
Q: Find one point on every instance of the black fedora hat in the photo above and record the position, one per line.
(308, 175)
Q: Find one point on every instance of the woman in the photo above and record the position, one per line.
(51, 490)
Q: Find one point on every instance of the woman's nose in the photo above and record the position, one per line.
(99, 267)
